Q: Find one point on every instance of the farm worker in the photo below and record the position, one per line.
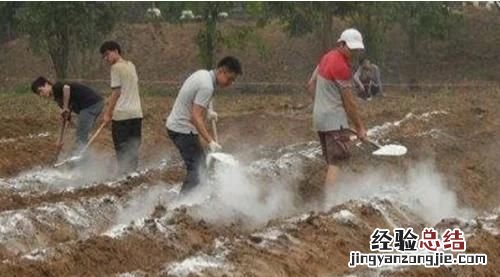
(331, 85)
(73, 97)
(186, 122)
(367, 79)
(124, 109)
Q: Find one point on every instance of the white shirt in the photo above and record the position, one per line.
(197, 89)
(124, 77)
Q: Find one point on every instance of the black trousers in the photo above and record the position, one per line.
(127, 140)
(192, 153)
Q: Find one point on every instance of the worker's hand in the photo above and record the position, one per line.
(212, 115)
(311, 86)
(214, 146)
(361, 133)
(106, 118)
(66, 114)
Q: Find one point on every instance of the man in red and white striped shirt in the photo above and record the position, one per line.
(332, 84)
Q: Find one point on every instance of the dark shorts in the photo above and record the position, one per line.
(335, 145)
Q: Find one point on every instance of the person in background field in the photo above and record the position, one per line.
(73, 97)
(367, 79)
(124, 109)
(331, 86)
(186, 122)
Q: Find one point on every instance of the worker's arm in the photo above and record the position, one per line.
(311, 84)
(116, 89)
(108, 114)
(66, 96)
(357, 80)
(211, 113)
(65, 109)
(198, 120)
(352, 111)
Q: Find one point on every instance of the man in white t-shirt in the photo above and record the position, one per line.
(124, 107)
(186, 122)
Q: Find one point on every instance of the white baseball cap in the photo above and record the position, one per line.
(352, 38)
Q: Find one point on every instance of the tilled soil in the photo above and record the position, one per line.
(265, 218)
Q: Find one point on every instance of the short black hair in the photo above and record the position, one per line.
(232, 64)
(111, 46)
(39, 82)
(362, 60)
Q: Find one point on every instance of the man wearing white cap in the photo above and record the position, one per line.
(331, 84)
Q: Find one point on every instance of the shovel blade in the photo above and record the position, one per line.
(223, 158)
(73, 159)
(390, 150)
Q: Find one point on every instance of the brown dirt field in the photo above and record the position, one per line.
(54, 224)
(463, 146)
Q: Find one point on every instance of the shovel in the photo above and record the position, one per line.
(80, 156)
(388, 150)
(223, 158)
(385, 150)
(60, 139)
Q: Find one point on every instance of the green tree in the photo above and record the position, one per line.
(421, 21)
(308, 17)
(209, 38)
(59, 28)
(7, 26)
(372, 19)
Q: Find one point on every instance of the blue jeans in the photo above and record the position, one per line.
(86, 121)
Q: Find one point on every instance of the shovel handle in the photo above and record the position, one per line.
(60, 139)
(214, 129)
(373, 143)
(366, 138)
(92, 139)
(61, 132)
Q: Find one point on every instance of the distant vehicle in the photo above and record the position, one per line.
(186, 14)
(189, 15)
(483, 4)
(223, 15)
(153, 12)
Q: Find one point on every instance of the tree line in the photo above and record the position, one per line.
(61, 28)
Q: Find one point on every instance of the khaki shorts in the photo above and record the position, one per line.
(335, 145)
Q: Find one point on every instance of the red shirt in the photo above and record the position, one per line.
(334, 66)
